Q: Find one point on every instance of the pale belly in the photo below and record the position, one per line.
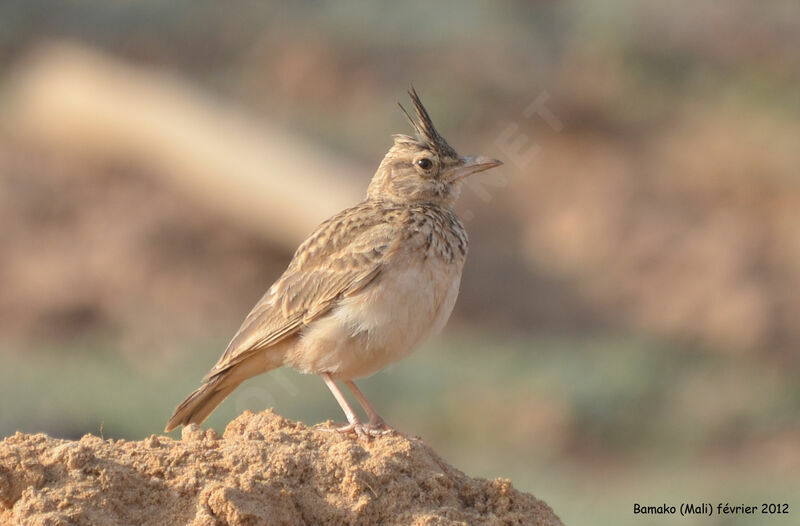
(380, 325)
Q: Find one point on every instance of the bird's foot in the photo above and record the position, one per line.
(354, 427)
(377, 427)
(366, 431)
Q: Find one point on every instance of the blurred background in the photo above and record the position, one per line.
(627, 330)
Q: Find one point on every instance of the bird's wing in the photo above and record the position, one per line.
(345, 254)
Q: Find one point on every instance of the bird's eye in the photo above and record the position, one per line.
(424, 163)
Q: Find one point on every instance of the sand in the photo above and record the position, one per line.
(265, 469)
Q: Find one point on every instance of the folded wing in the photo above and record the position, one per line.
(343, 256)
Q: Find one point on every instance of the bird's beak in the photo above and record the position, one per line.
(472, 165)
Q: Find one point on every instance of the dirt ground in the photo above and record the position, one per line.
(265, 469)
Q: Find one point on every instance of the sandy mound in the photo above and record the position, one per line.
(264, 470)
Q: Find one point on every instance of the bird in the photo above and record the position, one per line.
(366, 288)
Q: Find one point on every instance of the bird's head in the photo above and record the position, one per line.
(425, 168)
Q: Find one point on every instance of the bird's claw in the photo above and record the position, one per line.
(378, 427)
(366, 431)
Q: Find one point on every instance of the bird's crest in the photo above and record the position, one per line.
(423, 125)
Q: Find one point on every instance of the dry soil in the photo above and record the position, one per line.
(265, 469)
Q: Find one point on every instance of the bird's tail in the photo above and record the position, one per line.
(221, 380)
(198, 405)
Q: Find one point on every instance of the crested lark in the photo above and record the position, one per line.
(366, 288)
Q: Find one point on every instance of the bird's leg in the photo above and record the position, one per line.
(354, 423)
(376, 423)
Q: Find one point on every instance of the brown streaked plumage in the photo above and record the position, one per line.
(366, 288)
